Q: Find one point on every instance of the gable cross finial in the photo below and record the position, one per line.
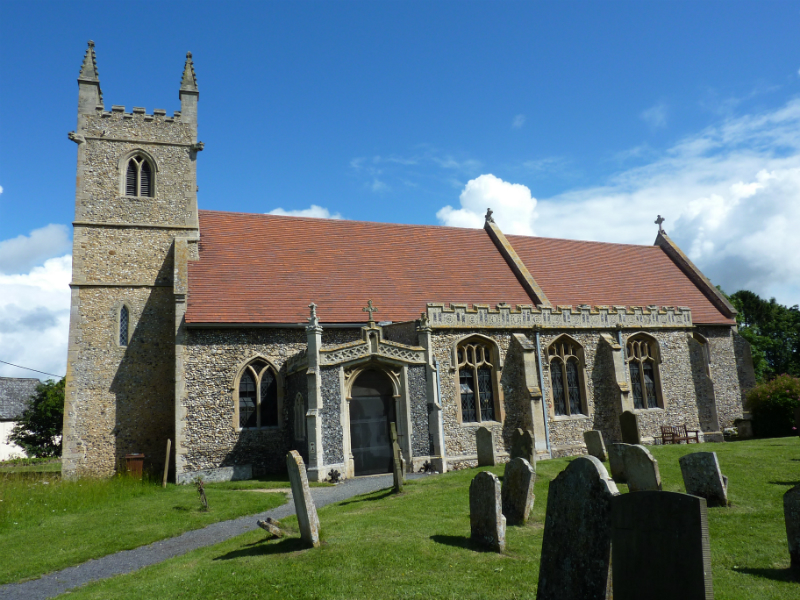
(489, 218)
(658, 222)
(370, 309)
(313, 318)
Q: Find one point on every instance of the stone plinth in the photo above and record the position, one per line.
(518, 479)
(702, 477)
(303, 503)
(487, 523)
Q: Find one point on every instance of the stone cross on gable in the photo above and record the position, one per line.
(658, 222)
(370, 309)
(313, 321)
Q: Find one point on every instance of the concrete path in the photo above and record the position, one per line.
(128, 561)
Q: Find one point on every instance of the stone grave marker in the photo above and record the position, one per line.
(484, 441)
(791, 514)
(303, 503)
(595, 445)
(702, 477)
(660, 547)
(486, 520)
(576, 547)
(522, 446)
(398, 464)
(616, 459)
(629, 424)
(641, 469)
(518, 479)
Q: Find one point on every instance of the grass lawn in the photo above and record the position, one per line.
(47, 524)
(52, 465)
(416, 545)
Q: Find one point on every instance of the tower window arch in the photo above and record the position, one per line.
(257, 402)
(477, 364)
(567, 383)
(643, 359)
(139, 176)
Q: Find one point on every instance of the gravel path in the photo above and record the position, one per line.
(127, 561)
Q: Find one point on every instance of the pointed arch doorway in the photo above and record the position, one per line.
(371, 410)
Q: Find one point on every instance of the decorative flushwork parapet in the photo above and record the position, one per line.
(361, 349)
(482, 316)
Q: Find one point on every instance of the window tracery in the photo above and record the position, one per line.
(643, 365)
(476, 382)
(258, 396)
(139, 177)
(566, 368)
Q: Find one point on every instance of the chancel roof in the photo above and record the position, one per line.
(267, 269)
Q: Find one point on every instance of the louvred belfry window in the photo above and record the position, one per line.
(643, 367)
(566, 366)
(139, 177)
(258, 396)
(476, 388)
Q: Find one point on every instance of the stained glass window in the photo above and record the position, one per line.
(565, 376)
(636, 384)
(475, 384)
(467, 387)
(487, 398)
(642, 354)
(247, 401)
(574, 386)
(557, 379)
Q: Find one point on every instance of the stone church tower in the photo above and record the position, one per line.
(135, 208)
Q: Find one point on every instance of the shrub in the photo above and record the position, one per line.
(772, 405)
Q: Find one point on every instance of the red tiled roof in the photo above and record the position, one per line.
(597, 273)
(267, 269)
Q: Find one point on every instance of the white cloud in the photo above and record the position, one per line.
(22, 253)
(512, 203)
(519, 121)
(1, 189)
(314, 212)
(378, 186)
(655, 116)
(34, 319)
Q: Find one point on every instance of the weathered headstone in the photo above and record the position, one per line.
(641, 469)
(271, 526)
(660, 547)
(398, 464)
(518, 479)
(484, 441)
(576, 548)
(522, 446)
(486, 520)
(702, 477)
(303, 502)
(616, 458)
(595, 445)
(629, 425)
(791, 514)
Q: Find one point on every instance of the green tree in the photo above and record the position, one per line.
(39, 430)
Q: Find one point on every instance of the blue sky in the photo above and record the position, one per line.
(571, 119)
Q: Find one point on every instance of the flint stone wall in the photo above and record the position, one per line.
(332, 436)
(421, 440)
(731, 372)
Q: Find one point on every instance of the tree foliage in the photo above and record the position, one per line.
(773, 331)
(772, 405)
(39, 430)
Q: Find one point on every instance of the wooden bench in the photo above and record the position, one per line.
(675, 434)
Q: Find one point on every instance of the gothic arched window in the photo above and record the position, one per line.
(565, 356)
(139, 177)
(476, 382)
(258, 396)
(643, 365)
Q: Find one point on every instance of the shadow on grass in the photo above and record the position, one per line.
(381, 496)
(182, 508)
(460, 541)
(789, 483)
(773, 574)
(260, 548)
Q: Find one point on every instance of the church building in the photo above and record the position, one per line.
(240, 337)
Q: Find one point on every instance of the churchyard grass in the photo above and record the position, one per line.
(31, 465)
(48, 524)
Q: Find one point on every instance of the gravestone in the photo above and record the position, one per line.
(595, 445)
(522, 446)
(702, 477)
(518, 479)
(791, 514)
(576, 547)
(303, 503)
(660, 547)
(616, 459)
(486, 520)
(629, 424)
(641, 469)
(398, 464)
(484, 441)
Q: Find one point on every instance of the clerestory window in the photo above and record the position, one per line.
(258, 396)
(476, 382)
(139, 177)
(643, 365)
(566, 377)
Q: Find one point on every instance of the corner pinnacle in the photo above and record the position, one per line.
(189, 80)
(89, 72)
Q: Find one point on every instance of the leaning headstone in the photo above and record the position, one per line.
(303, 503)
(518, 479)
(484, 440)
(641, 469)
(522, 446)
(629, 424)
(702, 477)
(398, 464)
(791, 514)
(576, 547)
(486, 520)
(595, 445)
(616, 458)
(660, 547)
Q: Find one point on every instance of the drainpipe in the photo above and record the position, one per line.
(441, 416)
(541, 387)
